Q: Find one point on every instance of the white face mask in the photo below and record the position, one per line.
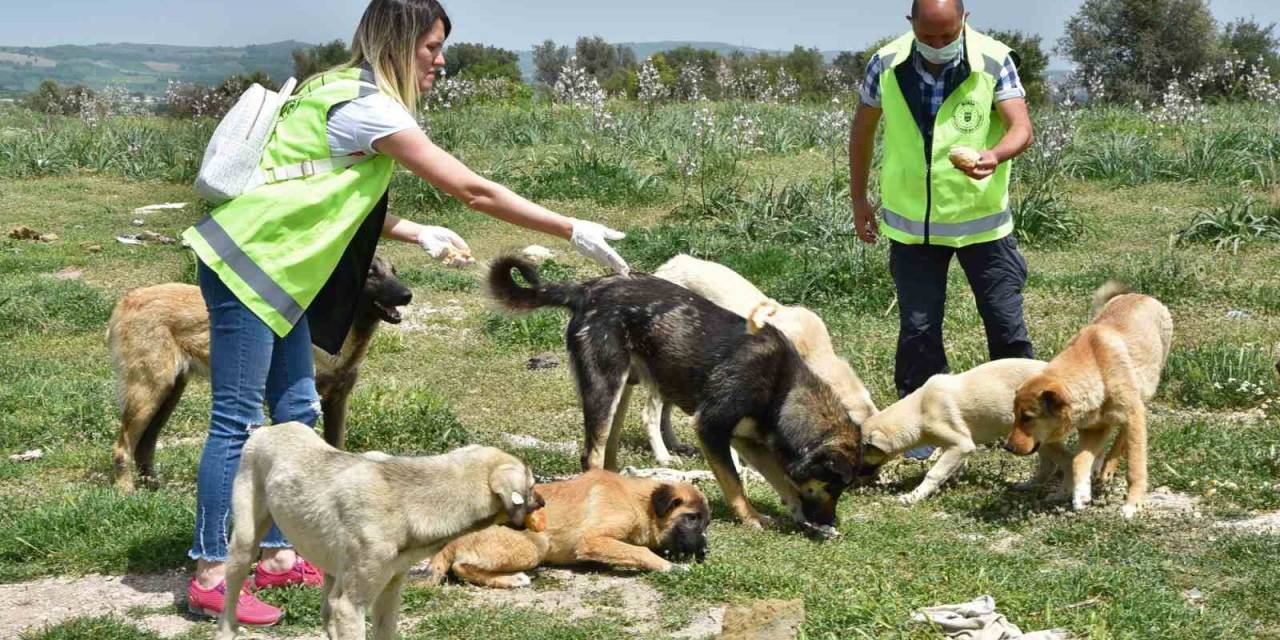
(944, 55)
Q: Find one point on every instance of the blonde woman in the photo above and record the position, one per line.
(280, 264)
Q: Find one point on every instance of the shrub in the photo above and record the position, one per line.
(1238, 223)
(1220, 375)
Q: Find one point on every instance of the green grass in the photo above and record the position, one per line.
(779, 217)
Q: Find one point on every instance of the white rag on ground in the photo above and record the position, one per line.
(978, 620)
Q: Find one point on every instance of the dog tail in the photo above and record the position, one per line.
(1105, 293)
(504, 288)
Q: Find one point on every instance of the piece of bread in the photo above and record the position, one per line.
(965, 157)
(457, 258)
(536, 521)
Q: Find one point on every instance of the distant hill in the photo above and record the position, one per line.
(143, 68)
(147, 68)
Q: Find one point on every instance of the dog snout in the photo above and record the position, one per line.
(821, 513)
(402, 297)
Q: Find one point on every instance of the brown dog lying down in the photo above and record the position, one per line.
(599, 516)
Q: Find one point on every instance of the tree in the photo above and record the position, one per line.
(846, 62)
(1252, 42)
(308, 62)
(1138, 47)
(50, 98)
(548, 60)
(1031, 59)
(609, 64)
(481, 61)
(863, 58)
(806, 68)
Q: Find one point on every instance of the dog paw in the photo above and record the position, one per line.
(760, 522)
(518, 581)
(908, 499)
(1080, 502)
(1130, 510)
(685, 451)
(677, 568)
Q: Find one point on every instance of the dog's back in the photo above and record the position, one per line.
(157, 333)
(804, 328)
(1146, 329)
(715, 282)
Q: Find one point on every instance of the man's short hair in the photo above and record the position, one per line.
(915, 7)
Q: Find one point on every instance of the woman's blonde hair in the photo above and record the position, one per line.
(387, 40)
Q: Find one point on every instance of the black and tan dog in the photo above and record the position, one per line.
(600, 517)
(751, 392)
(159, 337)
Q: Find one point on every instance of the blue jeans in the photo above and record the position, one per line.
(248, 365)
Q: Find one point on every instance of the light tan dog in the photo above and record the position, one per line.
(364, 520)
(599, 516)
(159, 337)
(802, 327)
(1101, 381)
(956, 413)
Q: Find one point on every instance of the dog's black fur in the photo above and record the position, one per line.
(702, 359)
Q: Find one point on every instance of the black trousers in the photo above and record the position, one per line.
(996, 272)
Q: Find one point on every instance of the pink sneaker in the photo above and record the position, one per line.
(302, 572)
(249, 610)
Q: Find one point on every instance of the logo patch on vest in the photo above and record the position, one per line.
(968, 117)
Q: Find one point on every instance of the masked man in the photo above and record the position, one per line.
(941, 85)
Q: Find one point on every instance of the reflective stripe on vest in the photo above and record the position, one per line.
(948, 229)
(248, 270)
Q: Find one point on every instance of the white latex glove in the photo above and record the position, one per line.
(446, 246)
(591, 239)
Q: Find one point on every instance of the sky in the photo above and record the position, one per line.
(518, 24)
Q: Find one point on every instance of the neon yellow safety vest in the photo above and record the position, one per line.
(925, 199)
(275, 246)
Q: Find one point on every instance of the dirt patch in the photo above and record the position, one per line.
(764, 620)
(50, 601)
(1165, 501)
(1265, 523)
(574, 595)
(424, 318)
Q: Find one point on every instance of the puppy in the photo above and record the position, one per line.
(1101, 381)
(804, 328)
(364, 520)
(751, 392)
(598, 516)
(159, 337)
(956, 413)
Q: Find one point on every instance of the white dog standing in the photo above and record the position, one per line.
(364, 520)
(956, 413)
(802, 327)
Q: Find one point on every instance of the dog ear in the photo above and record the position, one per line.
(760, 316)
(509, 480)
(664, 499)
(1053, 400)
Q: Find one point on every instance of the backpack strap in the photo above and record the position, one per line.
(304, 169)
(308, 168)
